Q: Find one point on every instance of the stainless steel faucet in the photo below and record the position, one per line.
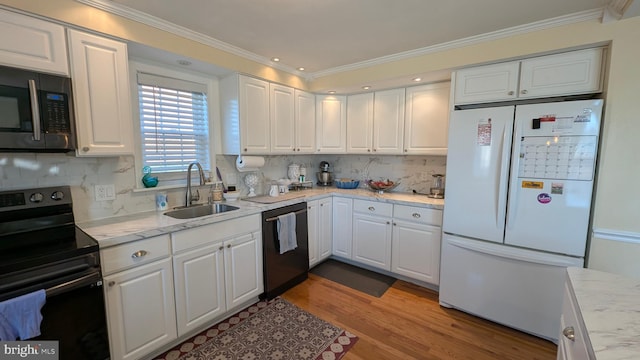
(189, 198)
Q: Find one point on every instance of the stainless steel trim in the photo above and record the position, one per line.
(35, 111)
(276, 218)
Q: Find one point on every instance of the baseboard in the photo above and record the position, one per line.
(617, 235)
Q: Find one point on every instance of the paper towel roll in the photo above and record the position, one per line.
(249, 163)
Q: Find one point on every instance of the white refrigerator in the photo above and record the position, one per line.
(519, 187)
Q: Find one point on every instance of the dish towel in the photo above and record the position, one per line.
(20, 317)
(287, 232)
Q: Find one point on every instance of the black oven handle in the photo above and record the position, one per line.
(35, 110)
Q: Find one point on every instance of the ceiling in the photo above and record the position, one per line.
(329, 36)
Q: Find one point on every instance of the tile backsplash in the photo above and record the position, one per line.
(29, 170)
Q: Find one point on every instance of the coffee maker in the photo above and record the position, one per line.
(325, 177)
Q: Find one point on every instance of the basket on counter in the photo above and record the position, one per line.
(347, 184)
(380, 186)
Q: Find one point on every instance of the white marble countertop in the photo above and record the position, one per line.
(121, 229)
(610, 308)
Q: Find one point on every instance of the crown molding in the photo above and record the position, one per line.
(164, 25)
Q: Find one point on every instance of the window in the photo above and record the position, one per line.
(173, 109)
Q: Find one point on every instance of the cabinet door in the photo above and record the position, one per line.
(243, 269)
(99, 69)
(305, 109)
(253, 105)
(140, 310)
(416, 251)
(281, 100)
(388, 121)
(33, 44)
(497, 82)
(571, 323)
(199, 283)
(313, 227)
(342, 227)
(372, 240)
(576, 72)
(331, 124)
(360, 123)
(325, 226)
(427, 119)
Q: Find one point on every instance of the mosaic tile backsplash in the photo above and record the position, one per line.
(21, 171)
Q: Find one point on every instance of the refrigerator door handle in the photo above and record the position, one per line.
(506, 252)
(502, 175)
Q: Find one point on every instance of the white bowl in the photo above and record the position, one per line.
(231, 195)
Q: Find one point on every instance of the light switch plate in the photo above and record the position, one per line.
(105, 192)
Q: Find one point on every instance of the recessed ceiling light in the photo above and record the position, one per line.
(275, 59)
(184, 62)
(417, 79)
(332, 92)
(301, 68)
(366, 87)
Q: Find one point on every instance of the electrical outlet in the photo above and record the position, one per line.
(105, 192)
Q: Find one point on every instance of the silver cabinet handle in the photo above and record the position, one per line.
(569, 333)
(35, 111)
(368, 150)
(394, 224)
(416, 215)
(523, 91)
(371, 208)
(111, 283)
(139, 254)
(510, 93)
(388, 223)
(228, 246)
(221, 248)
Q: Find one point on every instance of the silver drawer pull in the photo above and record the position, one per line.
(416, 215)
(371, 208)
(139, 254)
(569, 333)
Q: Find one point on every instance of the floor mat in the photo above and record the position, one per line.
(363, 280)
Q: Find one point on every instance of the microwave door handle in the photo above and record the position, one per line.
(35, 110)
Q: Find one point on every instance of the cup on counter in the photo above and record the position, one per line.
(162, 202)
(283, 189)
(274, 191)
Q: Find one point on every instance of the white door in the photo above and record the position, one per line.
(253, 105)
(360, 123)
(552, 173)
(325, 230)
(305, 110)
(282, 117)
(515, 287)
(342, 227)
(313, 227)
(372, 240)
(415, 251)
(426, 123)
(331, 124)
(140, 309)
(388, 121)
(243, 269)
(477, 170)
(496, 82)
(199, 283)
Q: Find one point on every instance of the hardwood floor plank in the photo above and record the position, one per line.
(408, 323)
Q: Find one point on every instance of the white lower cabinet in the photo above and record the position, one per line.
(573, 343)
(372, 233)
(243, 269)
(319, 219)
(342, 227)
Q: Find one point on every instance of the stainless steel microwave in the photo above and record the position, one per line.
(36, 112)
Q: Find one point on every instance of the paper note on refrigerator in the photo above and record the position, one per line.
(484, 132)
(558, 157)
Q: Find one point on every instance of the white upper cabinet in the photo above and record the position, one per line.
(388, 121)
(305, 122)
(427, 119)
(331, 124)
(282, 116)
(570, 73)
(33, 44)
(101, 92)
(360, 123)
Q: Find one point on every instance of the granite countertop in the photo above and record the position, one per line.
(610, 308)
(121, 229)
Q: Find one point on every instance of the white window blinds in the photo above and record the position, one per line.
(173, 123)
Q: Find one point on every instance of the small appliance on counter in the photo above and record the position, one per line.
(437, 190)
(325, 177)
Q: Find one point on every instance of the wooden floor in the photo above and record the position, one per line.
(407, 323)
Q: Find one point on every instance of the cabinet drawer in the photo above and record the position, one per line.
(134, 253)
(419, 215)
(373, 208)
(212, 233)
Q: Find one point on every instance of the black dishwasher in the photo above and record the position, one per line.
(284, 271)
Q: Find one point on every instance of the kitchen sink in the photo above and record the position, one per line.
(195, 211)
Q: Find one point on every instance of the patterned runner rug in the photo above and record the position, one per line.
(267, 330)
